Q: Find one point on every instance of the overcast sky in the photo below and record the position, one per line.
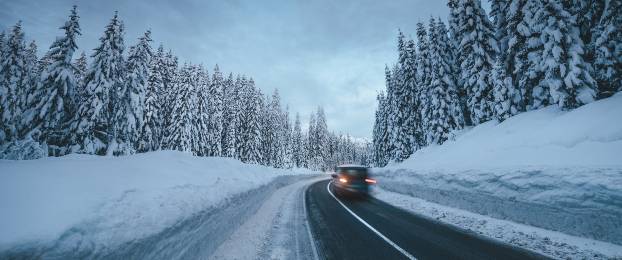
(328, 53)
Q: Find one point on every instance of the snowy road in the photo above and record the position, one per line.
(372, 229)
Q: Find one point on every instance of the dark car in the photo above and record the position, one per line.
(352, 180)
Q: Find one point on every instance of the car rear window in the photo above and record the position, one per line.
(354, 172)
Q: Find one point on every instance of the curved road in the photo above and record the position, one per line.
(372, 229)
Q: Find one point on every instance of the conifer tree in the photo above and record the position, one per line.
(215, 112)
(507, 98)
(80, 66)
(130, 115)
(167, 97)
(181, 129)
(608, 50)
(403, 105)
(250, 145)
(33, 88)
(151, 133)
(476, 54)
(57, 103)
(95, 128)
(297, 144)
(566, 75)
(229, 117)
(200, 115)
(13, 89)
(312, 143)
(442, 114)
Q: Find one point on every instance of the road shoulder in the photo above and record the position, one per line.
(550, 243)
(277, 230)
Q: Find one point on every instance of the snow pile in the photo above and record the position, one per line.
(547, 168)
(119, 198)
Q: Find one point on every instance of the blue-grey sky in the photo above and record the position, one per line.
(329, 53)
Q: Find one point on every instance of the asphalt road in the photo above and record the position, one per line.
(372, 229)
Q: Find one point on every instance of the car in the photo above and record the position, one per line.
(352, 180)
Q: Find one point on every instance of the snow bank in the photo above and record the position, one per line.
(547, 168)
(122, 198)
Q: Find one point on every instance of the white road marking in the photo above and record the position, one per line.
(408, 255)
(304, 205)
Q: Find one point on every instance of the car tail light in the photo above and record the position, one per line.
(343, 180)
(370, 181)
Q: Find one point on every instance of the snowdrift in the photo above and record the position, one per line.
(547, 168)
(115, 199)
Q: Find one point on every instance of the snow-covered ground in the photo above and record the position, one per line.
(548, 168)
(93, 204)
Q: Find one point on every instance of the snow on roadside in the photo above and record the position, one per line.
(558, 170)
(550, 243)
(122, 198)
(278, 230)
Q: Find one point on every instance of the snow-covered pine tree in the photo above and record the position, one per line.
(94, 127)
(378, 153)
(4, 90)
(587, 14)
(454, 23)
(181, 130)
(229, 117)
(266, 130)
(240, 86)
(476, 54)
(56, 103)
(80, 66)
(167, 97)
(443, 114)
(523, 52)
(276, 126)
(286, 142)
(322, 138)
(200, 121)
(13, 73)
(498, 12)
(215, 112)
(297, 143)
(403, 106)
(608, 50)
(2, 43)
(385, 122)
(423, 59)
(411, 93)
(250, 146)
(455, 36)
(507, 98)
(565, 73)
(130, 116)
(33, 76)
(150, 135)
(311, 143)
(392, 106)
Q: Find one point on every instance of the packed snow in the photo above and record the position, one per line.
(119, 199)
(554, 169)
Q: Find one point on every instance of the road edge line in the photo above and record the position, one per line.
(311, 238)
(393, 244)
